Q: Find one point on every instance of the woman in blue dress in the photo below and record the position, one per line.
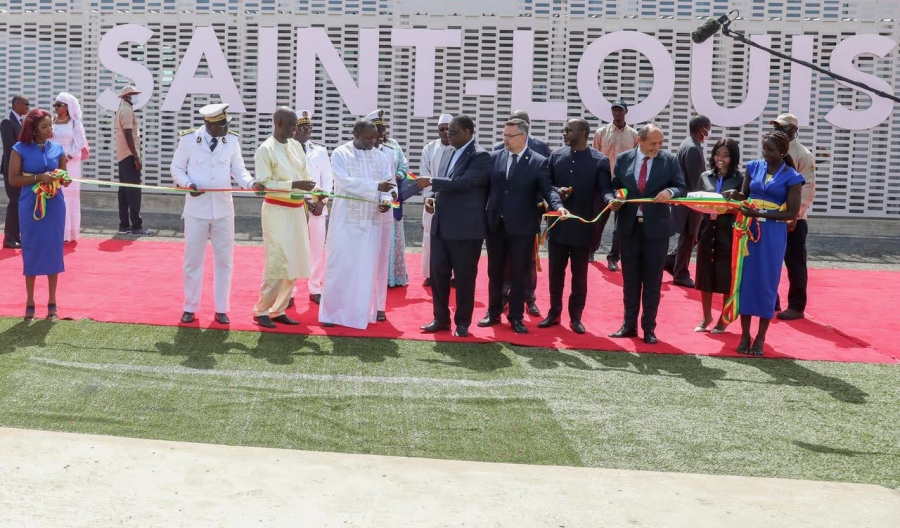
(774, 186)
(33, 160)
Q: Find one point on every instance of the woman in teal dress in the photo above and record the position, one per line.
(774, 186)
(33, 160)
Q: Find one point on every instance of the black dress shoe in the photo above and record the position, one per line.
(222, 318)
(612, 265)
(12, 245)
(264, 321)
(577, 327)
(284, 319)
(489, 321)
(461, 331)
(426, 283)
(650, 337)
(290, 303)
(624, 332)
(187, 317)
(315, 297)
(550, 320)
(435, 326)
(687, 283)
(533, 310)
(518, 327)
(380, 317)
(327, 325)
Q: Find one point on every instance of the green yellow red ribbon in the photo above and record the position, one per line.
(47, 191)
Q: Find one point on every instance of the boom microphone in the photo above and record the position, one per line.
(708, 29)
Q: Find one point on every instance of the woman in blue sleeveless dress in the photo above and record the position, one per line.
(33, 160)
(774, 186)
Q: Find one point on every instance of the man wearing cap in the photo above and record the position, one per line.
(128, 154)
(209, 157)
(319, 166)
(611, 140)
(431, 160)
(281, 166)
(795, 252)
(356, 251)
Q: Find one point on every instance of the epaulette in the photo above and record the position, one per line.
(233, 132)
(186, 132)
(318, 145)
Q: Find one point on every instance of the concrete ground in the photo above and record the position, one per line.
(68, 480)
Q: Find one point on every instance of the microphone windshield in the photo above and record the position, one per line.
(707, 30)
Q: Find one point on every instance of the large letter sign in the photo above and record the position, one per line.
(656, 53)
(523, 81)
(842, 64)
(220, 81)
(314, 42)
(138, 73)
(425, 41)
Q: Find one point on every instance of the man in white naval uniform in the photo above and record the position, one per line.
(431, 160)
(319, 165)
(209, 157)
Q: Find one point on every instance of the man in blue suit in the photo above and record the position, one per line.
(541, 147)
(458, 226)
(644, 229)
(519, 175)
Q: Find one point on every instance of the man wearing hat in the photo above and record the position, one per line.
(611, 140)
(128, 154)
(795, 252)
(431, 160)
(319, 166)
(209, 157)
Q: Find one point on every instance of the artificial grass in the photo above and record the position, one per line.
(493, 402)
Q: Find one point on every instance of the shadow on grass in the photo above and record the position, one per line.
(482, 357)
(24, 335)
(199, 346)
(825, 450)
(687, 367)
(789, 372)
(280, 349)
(545, 358)
(366, 350)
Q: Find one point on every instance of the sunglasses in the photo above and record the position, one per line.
(57, 105)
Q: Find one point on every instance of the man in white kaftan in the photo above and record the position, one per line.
(281, 166)
(431, 159)
(356, 250)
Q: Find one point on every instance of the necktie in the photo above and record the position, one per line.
(642, 178)
(450, 162)
(213, 143)
(304, 147)
(512, 165)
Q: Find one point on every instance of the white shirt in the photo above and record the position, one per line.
(319, 166)
(457, 154)
(431, 162)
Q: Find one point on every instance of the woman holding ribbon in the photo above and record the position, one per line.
(42, 209)
(773, 185)
(68, 131)
(715, 235)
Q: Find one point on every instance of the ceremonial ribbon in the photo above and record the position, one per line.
(46, 191)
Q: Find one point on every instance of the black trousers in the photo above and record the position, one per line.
(642, 270)
(560, 256)
(530, 286)
(679, 258)
(517, 250)
(795, 262)
(129, 199)
(11, 228)
(615, 251)
(459, 259)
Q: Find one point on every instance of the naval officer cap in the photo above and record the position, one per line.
(445, 119)
(304, 117)
(214, 113)
(377, 117)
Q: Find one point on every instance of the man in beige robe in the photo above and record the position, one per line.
(281, 166)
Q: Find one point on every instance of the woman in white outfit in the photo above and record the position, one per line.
(68, 131)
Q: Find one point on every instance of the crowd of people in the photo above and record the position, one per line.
(473, 198)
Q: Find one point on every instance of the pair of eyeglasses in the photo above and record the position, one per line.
(57, 105)
(451, 132)
(304, 128)
(511, 136)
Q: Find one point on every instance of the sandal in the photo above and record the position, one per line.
(719, 328)
(744, 347)
(51, 312)
(29, 313)
(702, 326)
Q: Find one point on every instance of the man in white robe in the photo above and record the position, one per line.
(356, 247)
(209, 158)
(431, 159)
(281, 166)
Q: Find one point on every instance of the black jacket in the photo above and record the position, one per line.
(587, 173)
(9, 133)
(460, 199)
(515, 199)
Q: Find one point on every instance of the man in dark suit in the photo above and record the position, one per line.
(644, 229)
(458, 225)
(581, 176)
(9, 133)
(687, 221)
(517, 177)
(541, 147)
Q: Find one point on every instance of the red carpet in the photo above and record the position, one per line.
(851, 316)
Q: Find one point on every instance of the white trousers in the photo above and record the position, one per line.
(316, 253)
(426, 243)
(274, 296)
(382, 267)
(196, 232)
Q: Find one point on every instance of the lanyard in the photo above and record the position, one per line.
(765, 184)
(719, 184)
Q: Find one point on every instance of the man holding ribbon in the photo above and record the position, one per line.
(209, 157)
(281, 168)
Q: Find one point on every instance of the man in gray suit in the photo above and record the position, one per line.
(9, 133)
